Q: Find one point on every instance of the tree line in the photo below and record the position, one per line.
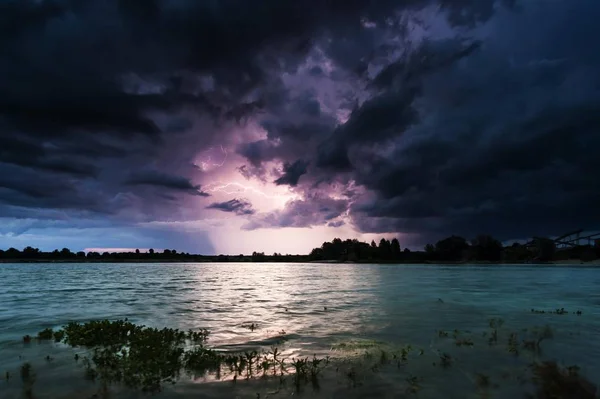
(483, 248)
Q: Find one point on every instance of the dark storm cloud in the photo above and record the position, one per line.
(508, 143)
(258, 151)
(166, 181)
(33, 155)
(237, 206)
(91, 89)
(315, 210)
(292, 173)
(25, 188)
(393, 111)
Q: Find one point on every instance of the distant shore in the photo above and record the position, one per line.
(216, 259)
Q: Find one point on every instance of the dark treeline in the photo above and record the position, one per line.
(483, 248)
(30, 254)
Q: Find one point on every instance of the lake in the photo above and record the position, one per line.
(333, 309)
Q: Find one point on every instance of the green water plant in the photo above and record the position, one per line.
(482, 380)
(445, 360)
(250, 326)
(553, 381)
(26, 371)
(513, 343)
(46, 334)
(136, 356)
(28, 378)
(464, 342)
(495, 324)
(414, 384)
(538, 335)
(144, 358)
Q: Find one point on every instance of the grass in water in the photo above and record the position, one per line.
(144, 358)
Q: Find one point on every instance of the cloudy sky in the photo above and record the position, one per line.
(238, 125)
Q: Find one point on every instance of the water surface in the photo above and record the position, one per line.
(316, 305)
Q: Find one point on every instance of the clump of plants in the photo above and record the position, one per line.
(537, 336)
(464, 342)
(495, 324)
(45, 334)
(120, 352)
(28, 378)
(250, 326)
(136, 356)
(414, 384)
(553, 381)
(558, 311)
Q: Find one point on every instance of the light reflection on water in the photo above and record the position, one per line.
(316, 305)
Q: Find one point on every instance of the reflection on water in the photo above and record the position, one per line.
(316, 305)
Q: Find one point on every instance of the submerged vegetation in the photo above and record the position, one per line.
(120, 353)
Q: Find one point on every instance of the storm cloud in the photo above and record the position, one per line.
(421, 117)
(237, 206)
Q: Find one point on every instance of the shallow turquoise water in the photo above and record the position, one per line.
(316, 305)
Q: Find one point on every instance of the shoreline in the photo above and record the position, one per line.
(563, 262)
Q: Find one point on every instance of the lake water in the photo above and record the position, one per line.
(317, 306)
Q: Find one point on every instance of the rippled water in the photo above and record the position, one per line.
(316, 305)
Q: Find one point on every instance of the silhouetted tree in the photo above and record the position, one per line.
(151, 251)
(451, 248)
(430, 250)
(316, 254)
(485, 247)
(12, 253)
(395, 248)
(517, 253)
(66, 253)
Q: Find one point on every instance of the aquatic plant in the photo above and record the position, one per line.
(464, 342)
(414, 385)
(46, 334)
(495, 324)
(445, 360)
(482, 380)
(300, 371)
(120, 352)
(383, 359)
(251, 326)
(201, 360)
(404, 351)
(146, 358)
(558, 311)
(58, 335)
(538, 334)
(28, 378)
(553, 381)
(352, 377)
(25, 371)
(513, 344)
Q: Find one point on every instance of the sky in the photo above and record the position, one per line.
(235, 126)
